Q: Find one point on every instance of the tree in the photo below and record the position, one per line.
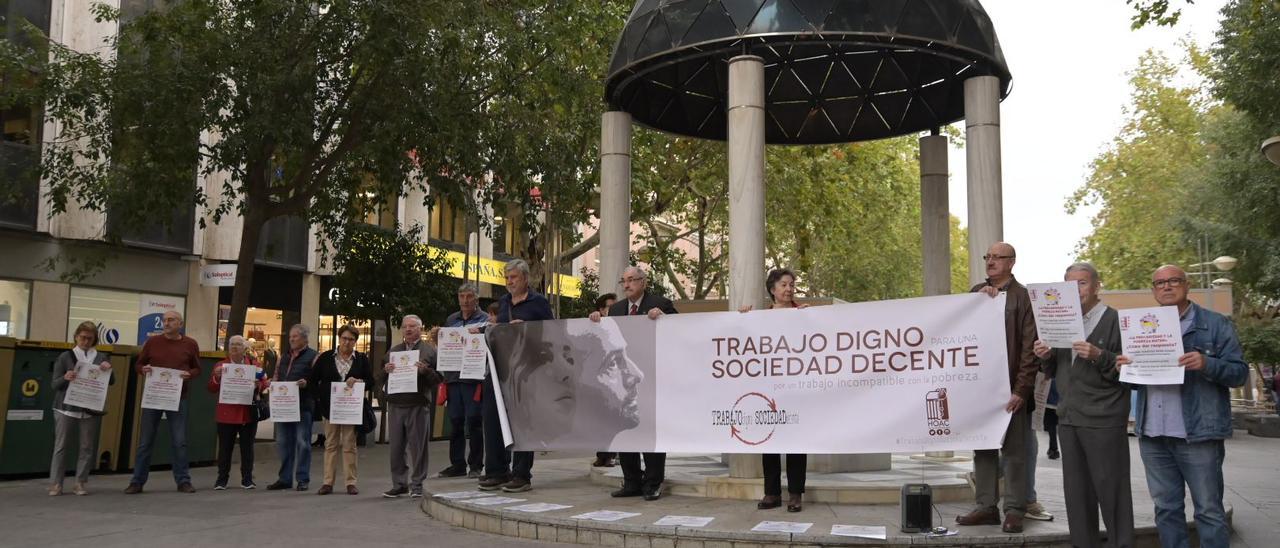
(1245, 58)
(1156, 12)
(320, 109)
(1140, 180)
(386, 274)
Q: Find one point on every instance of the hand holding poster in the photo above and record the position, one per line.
(163, 389)
(89, 389)
(453, 344)
(284, 402)
(403, 378)
(236, 384)
(346, 403)
(474, 357)
(1152, 339)
(1059, 317)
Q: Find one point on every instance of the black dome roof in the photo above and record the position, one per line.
(835, 70)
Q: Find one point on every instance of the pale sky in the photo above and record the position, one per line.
(1068, 61)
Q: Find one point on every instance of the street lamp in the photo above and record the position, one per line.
(1271, 149)
(1223, 263)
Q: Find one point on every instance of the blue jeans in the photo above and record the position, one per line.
(1172, 463)
(293, 444)
(177, 442)
(466, 421)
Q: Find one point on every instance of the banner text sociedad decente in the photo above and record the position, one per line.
(872, 351)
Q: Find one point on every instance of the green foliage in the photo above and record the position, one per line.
(1141, 179)
(386, 274)
(1155, 12)
(1246, 57)
(1261, 340)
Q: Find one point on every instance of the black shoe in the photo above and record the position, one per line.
(278, 485)
(1054, 454)
(474, 473)
(769, 502)
(627, 492)
(396, 492)
(653, 494)
(248, 484)
(303, 486)
(493, 483)
(452, 472)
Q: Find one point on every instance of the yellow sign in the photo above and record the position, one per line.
(30, 387)
(492, 272)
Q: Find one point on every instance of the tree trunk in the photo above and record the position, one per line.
(252, 232)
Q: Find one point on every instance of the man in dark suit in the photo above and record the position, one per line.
(637, 301)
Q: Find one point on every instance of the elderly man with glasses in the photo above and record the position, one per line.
(1181, 428)
(1020, 335)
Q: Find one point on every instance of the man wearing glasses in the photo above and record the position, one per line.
(1020, 335)
(1181, 428)
(637, 301)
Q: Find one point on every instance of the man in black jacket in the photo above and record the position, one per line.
(636, 301)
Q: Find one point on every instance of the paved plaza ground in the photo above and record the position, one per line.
(163, 517)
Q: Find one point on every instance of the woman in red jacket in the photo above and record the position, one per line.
(236, 420)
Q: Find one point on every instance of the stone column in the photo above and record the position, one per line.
(982, 154)
(746, 116)
(615, 199)
(935, 217)
(935, 226)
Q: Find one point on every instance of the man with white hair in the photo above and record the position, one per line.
(409, 414)
(173, 350)
(510, 471)
(293, 439)
(636, 301)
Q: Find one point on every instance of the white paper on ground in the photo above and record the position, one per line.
(684, 521)
(606, 515)
(459, 495)
(491, 501)
(861, 531)
(537, 507)
(781, 527)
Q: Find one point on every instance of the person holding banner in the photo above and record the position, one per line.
(409, 416)
(293, 439)
(343, 365)
(510, 471)
(168, 350)
(66, 417)
(1181, 428)
(781, 284)
(1020, 334)
(235, 420)
(605, 459)
(638, 301)
(1092, 412)
(462, 397)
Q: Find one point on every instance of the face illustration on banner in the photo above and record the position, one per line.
(282, 390)
(94, 373)
(475, 344)
(347, 391)
(239, 373)
(166, 376)
(563, 375)
(1052, 296)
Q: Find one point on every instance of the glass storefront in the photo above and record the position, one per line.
(328, 337)
(15, 308)
(123, 317)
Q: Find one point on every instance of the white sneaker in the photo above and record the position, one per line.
(1037, 512)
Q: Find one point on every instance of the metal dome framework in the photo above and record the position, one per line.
(835, 70)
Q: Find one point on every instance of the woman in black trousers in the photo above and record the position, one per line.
(781, 284)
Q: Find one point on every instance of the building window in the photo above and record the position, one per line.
(15, 308)
(123, 317)
(448, 223)
(21, 124)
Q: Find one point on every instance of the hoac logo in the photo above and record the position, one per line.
(938, 412)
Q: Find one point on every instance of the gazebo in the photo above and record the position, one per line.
(801, 72)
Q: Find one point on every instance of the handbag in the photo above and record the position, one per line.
(369, 421)
(261, 409)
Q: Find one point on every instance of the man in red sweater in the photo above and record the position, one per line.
(173, 350)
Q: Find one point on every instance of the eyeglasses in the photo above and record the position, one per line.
(625, 280)
(990, 257)
(1169, 282)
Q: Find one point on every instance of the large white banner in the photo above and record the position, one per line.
(927, 374)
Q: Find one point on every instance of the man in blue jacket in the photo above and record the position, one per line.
(1181, 428)
(293, 439)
